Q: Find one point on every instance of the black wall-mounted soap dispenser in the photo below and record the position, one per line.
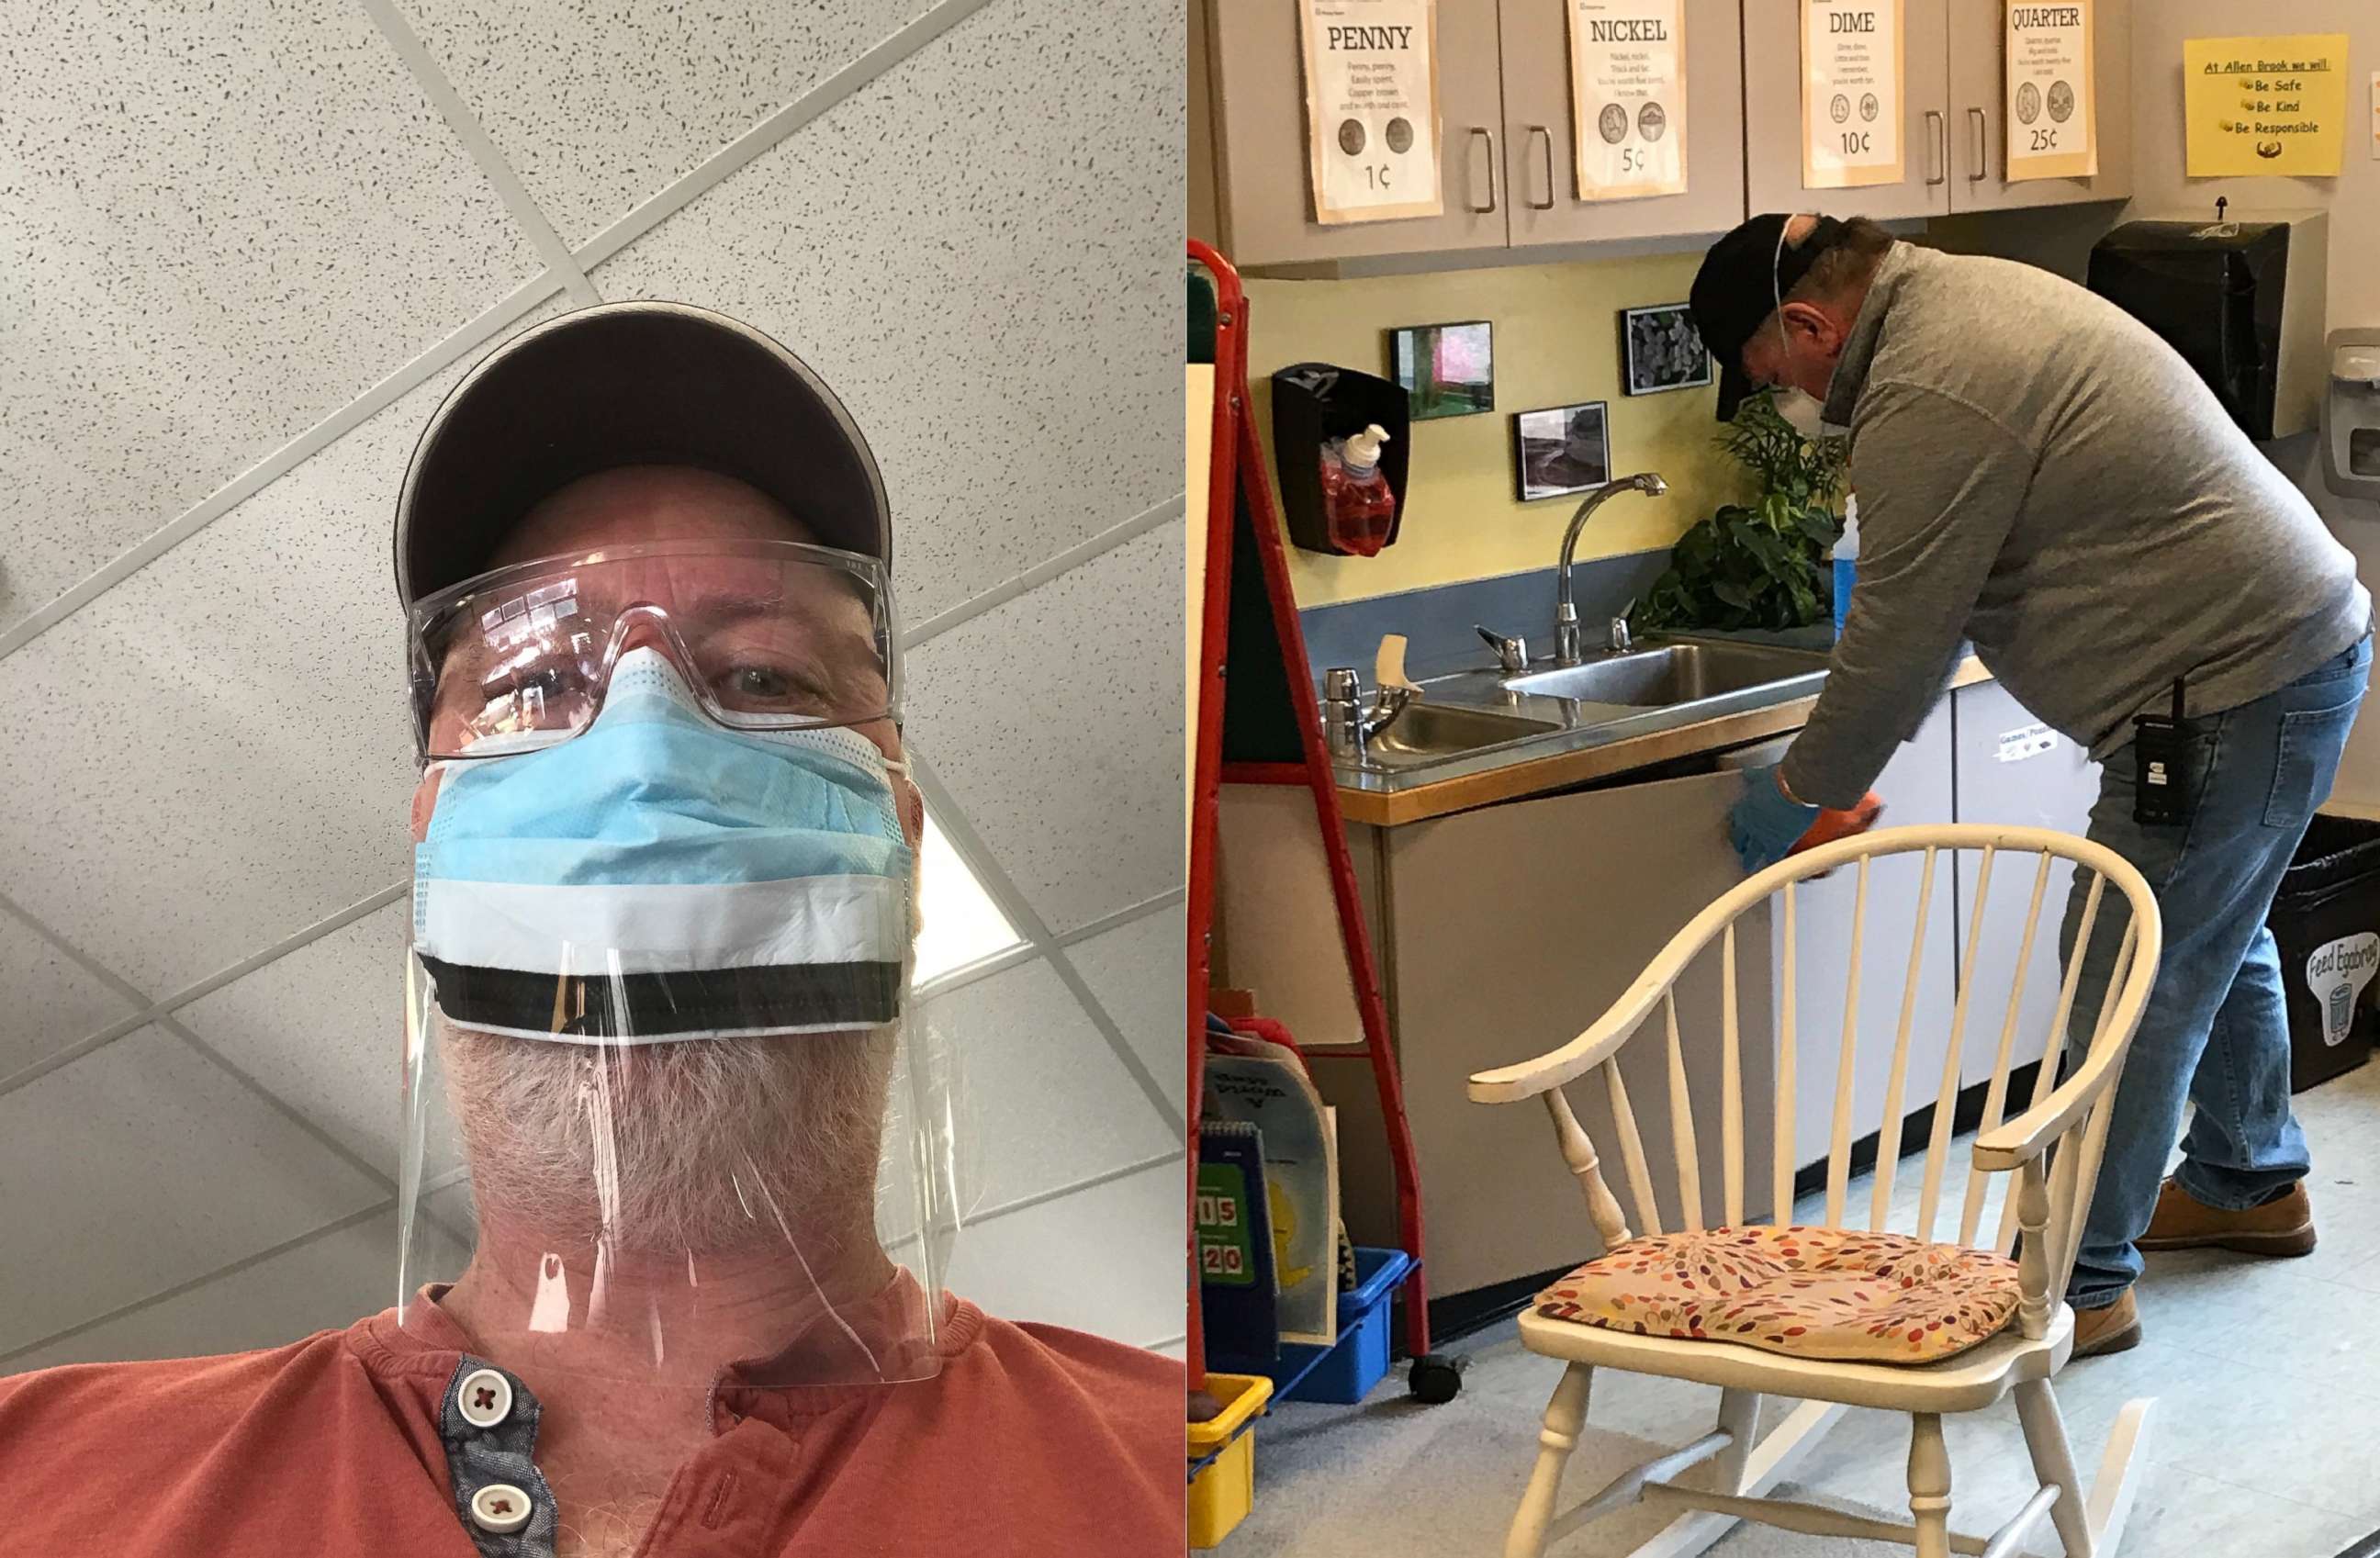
(1313, 402)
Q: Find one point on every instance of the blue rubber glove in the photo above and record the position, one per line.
(1766, 822)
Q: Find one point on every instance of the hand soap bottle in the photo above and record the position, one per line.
(1358, 508)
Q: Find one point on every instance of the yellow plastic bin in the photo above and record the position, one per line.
(1223, 1492)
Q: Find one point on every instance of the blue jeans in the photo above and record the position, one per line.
(2214, 1032)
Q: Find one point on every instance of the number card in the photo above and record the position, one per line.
(1371, 108)
(1627, 97)
(1851, 78)
(2052, 108)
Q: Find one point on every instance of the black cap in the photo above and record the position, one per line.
(1738, 287)
(633, 383)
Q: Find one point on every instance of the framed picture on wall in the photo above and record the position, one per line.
(1561, 449)
(1662, 350)
(1445, 370)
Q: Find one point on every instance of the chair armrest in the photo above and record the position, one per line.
(1511, 1084)
(2018, 1141)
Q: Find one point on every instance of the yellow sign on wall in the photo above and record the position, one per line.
(2265, 105)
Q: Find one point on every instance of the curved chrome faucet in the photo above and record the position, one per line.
(1566, 638)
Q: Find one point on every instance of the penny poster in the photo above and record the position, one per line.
(2051, 110)
(1627, 97)
(1371, 108)
(1852, 75)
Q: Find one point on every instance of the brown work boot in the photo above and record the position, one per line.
(2114, 1328)
(2278, 1227)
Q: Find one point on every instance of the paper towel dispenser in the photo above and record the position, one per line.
(2241, 300)
(2350, 414)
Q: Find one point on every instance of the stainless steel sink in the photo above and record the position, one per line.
(1668, 675)
(1429, 732)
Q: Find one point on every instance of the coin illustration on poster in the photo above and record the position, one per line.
(1627, 97)
(1371, 108)
(1850, 55)
(2052, 132)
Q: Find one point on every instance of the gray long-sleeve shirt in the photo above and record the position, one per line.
(2039, 473)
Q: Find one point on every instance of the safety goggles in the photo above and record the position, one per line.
(771, 635)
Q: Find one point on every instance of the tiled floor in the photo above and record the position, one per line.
(2262, 1443)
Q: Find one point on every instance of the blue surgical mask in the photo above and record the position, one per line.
(660, 877)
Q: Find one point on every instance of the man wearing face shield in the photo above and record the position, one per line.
(677, 1173)
(2039, 474)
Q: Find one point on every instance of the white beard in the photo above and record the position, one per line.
(707, 1146)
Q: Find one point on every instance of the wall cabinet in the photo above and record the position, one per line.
(1772, 116)
(1507, 165)
(1978, 128)
(1263, 197)
(1541, 153)
(1506, 154)
(1952, 124)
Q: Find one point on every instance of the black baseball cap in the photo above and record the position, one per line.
(1738, 287)
(643, 382)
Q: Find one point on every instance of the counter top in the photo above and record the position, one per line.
(1390, 798)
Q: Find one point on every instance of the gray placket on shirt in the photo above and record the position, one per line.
(498, 1456)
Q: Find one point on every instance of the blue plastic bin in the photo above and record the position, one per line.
(1349, 1368)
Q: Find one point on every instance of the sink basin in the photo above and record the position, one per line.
(1673, 673)
(1428, 733)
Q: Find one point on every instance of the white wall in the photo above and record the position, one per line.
(2352, 200)
(245, 264)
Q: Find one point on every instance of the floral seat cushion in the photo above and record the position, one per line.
(1826, 1293)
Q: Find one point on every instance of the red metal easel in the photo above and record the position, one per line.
(1261, 724)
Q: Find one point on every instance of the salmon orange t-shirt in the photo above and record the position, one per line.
(1031, 1439)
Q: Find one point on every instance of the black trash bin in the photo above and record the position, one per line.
(2326, 921)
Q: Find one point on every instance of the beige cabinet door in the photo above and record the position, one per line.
(1256, 115)
(1979, 121)
(1511, 929)
(1772, 116)
(1539, 152)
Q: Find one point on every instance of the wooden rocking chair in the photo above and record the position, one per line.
(2051, 1196)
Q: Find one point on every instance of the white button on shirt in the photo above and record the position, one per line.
(485, 1398)
(500, 1507)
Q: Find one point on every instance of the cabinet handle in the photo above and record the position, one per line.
(1538, 132)
(1937, 148)
(1478, 135)
(1983, 143)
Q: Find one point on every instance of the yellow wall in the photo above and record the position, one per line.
(1557, 342)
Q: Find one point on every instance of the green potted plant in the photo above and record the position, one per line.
(1761, 564)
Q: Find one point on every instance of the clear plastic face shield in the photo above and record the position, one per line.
(668, 1116)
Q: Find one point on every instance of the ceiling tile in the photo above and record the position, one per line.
(1107, 1259)
(1055, 724)
(1135, 973)
(215, 238)
(967, 251)
(327, 1282)
(322, 1028)
(51, 1000)
(157, 1167)
(220, 752)
(1044, 1101)
(599, 104)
